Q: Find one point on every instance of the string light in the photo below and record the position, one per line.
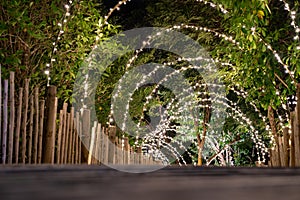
(61, 26)
(236, 113)
(222, 9)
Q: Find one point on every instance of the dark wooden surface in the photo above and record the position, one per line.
(182, 183)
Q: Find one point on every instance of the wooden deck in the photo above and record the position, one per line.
(182, 183)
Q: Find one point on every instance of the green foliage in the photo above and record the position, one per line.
(27, 37)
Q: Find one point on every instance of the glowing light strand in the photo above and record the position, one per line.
(61, 26)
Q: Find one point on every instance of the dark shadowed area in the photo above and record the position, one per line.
(100, 182)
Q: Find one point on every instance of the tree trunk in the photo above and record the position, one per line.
(201, 140)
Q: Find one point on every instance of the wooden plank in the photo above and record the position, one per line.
(106, 147)
(292, 148)
(77, 139)
(18, 127)
(101, 145)
(119, 152)
(59, 137)
(111, 145)
(92, 143)
(274, 158)
(49, 131)
(41, 129)
(80, 142)
(24, 121)
(30, 130)
(64, 132)
(281, 152)
(139, 155)
(85, 135)
(72, 140)
(67, 138)
(98, 143)
(132, 159)
(36, 125)
(126, 151)
(286, 146)
(297, 128)
(70, 136)
(0, 112)
(54, 129)
(5, 116)
(11, 116)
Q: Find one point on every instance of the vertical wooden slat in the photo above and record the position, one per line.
(0, 111)
(105, 146)
(30, 130)
(54, 129)
(132, 156)
(49, 133)
(92, 142)
(24, 122)
(285, 146)
(102, 145)
(77, 141)
(18, 127)
(111, 144)
(72, 137)
(98, 143)
(67, 138)
(36, 125)
(119, 152)
(64, 131)
(5, 116)
(80, 143)
(85, 135)
(297, 129)
(126, 150)
(281, 152)
(41, 127)
(292, 148)
(139, 155)
(11, 116)
(59, 136)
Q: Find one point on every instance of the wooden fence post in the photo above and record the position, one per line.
(30, 129)
(85, 136)
(281, 151)
(0, 111)
(292, 148)
(5, 110)
(19, 119)
(64, 132)
(78, 141)
(71, 135)
(92, 143)
(139, 155)
(297, 129)
(104, 153)
(67, 141)
(36, 126)
(24, 122)
(98, 144)
(126, 151)
(106, 145)
(111, 144)
(11, 116)
(59, 137)
(41, 127)
(49, 133)
(286, 146)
